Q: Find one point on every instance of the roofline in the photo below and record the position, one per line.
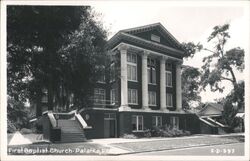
(140, 27)
(151, 51)
(120, 34)
(214, 106)
(204, 108)
(153, 25)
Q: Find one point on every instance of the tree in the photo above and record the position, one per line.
(190, 86)
(17, 114)
(231, 108)
(221, 65)
(53, 48)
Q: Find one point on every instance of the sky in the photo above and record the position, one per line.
(191, 21)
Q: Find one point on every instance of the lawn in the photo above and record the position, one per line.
(176, 143)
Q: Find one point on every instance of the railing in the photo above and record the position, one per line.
(65, 115)
(52, 119)
(81, 121)
(206, 122)
(216, 122)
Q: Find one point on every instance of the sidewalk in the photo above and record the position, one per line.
(119, 146)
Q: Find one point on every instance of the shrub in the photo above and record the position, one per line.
(147, 133)
(11, 127)
(187, 133)
(156, 131)
(25, 131)
(129, 136)
(168, 131)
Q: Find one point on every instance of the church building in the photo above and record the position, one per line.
(145, 91)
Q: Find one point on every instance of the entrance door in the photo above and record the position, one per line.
(109, 125)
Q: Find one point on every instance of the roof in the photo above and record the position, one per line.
(158, 26)
(217, 106)
(129, 35)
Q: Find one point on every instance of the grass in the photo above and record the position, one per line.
(175, 143)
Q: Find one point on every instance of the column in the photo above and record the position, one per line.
(124, 82)
(163, 84)
(178, 86)
(145, 80)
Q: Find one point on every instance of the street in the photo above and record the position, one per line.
(236, 149)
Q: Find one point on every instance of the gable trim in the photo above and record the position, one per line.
(125, 36)
(150, 51)
(158, 26)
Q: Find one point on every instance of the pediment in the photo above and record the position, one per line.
(156, 33)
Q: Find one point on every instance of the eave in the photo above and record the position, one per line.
(125, 37)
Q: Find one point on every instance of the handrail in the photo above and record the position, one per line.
(52, 119)
(216, 122)
(81, 120)
(207, 122)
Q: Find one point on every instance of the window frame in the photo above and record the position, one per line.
(112, 96)
(169, 94)
(156, 119)
(171, 81)
(136, 98)
(154, 96)
(175, 122)
(151, 71)
(137, 123)
(132, 64)
(102, 76)
(97, 101)
(112, 72)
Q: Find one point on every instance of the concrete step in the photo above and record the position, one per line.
(71, 131)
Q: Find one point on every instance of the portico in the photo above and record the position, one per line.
(144, 54)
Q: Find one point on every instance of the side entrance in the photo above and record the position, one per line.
(110, 125)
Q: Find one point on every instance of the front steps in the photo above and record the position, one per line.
(71, 131)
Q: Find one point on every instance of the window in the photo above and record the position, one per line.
(101, 76)
(132, 96)
(112, 96)
(169, 100)
(131, 58)
(137, 123)
(109, 116)
(99, 96)
(155, 38)
(152, 98)
(101, 79)
(169, 79)
(169, 66)
(157, 121)
(44, 99)
(132, 72)
(112, 72)
(174, 122)
(132, 67)
(45, 96)
(151, 71)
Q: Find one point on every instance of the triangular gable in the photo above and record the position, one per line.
(157, 29)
